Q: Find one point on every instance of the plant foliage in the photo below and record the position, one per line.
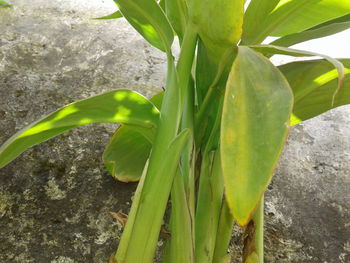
(211, 141)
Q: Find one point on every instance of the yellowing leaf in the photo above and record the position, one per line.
(219, 23)
(257, 106)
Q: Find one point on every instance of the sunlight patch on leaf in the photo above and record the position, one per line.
(122, 112)
(123, 106)
(120, 96)
(323, 79)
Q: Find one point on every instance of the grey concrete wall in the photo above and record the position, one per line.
(55, 197)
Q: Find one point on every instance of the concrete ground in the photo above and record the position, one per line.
(55, 197)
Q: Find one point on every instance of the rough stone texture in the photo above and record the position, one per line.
(55, 197)
(308, 202)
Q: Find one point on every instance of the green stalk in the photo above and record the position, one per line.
(253, 251)
(188, 158)
(180, 246)
(181, 241)
(210, 194)
(215, 90)
(259, 234)
(223, 236)
(183, 191)
(139, 244)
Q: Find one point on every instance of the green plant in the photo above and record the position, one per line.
(211, 141)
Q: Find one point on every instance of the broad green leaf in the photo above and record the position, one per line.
(127, 152)
(293, 16)
(326, 29)
(314, 84)
(257, 106)
(114, 15)
(4, 4)
(122, 106)
(273, 50)
(254, 16)
(341, 19)
(148, 18)
(219, 23)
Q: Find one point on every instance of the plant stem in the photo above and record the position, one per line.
(181, 243)
(259, 232)
(210, 193)
(140, 242)
(187, 160)
(216, 89)
(224, 232)
(253, 250)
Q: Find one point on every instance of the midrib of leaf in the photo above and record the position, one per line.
(278, 22)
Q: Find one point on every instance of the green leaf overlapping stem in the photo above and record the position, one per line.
(210, 194)
(289, 17)
(162, 164)
(123, 106)
(223, 235)
(180, 246)
(127, 152)
(314, 84)
(134, 234)
(148, 18)
(257, 107)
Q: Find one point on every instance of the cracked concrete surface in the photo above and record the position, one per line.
(55, 197)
